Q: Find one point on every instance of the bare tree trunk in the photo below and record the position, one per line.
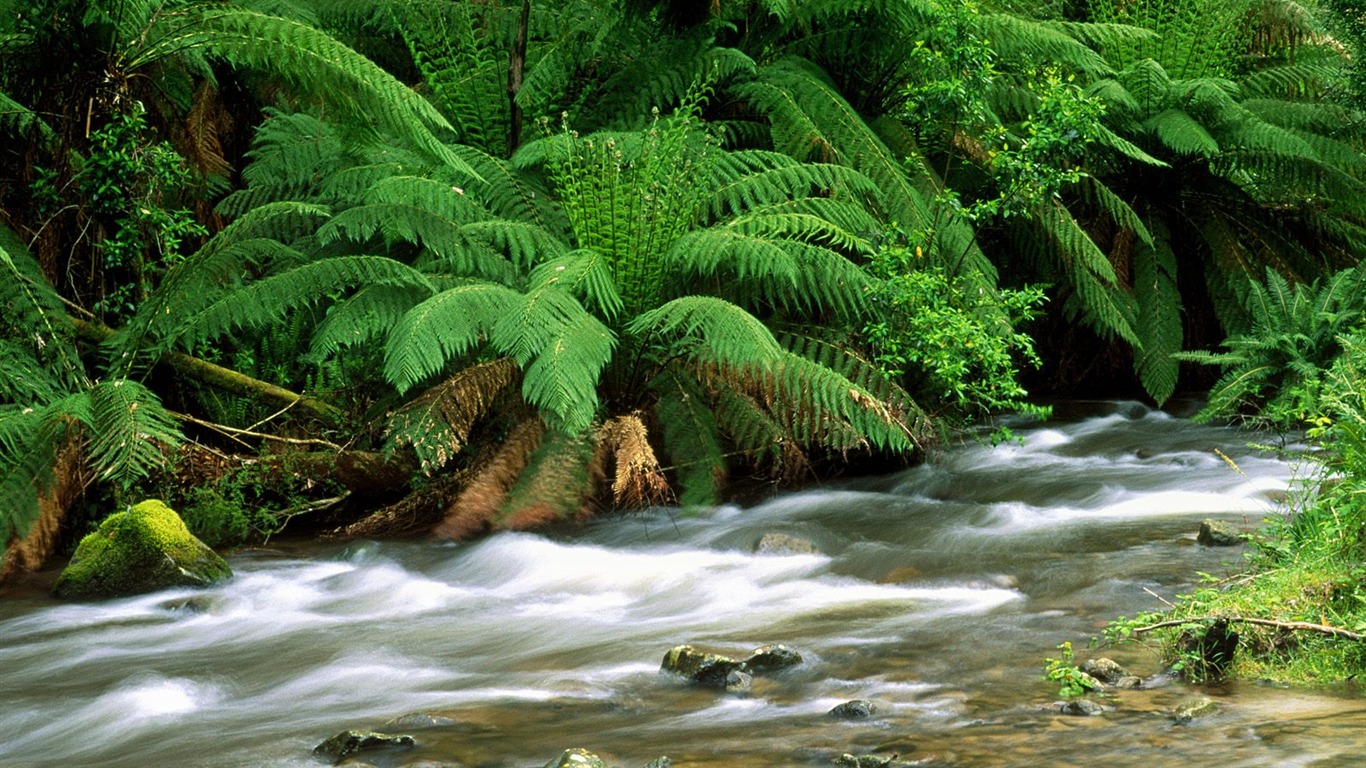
(516, 70)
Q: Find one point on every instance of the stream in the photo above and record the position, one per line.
(936, 593)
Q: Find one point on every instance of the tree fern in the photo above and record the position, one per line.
(1158, 324)
(437, 423)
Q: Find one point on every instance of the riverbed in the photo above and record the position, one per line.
(935, 593)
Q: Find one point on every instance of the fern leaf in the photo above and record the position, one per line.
(689, 432)
(443, 327)
(713, 328)
(1159, 319)
(130, 431)
(482, 499)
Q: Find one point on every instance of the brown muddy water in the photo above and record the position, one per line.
(936, 593)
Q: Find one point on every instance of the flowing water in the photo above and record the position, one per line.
(935, 594)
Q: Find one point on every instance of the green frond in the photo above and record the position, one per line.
(428, 213)
(18, 120)
(269, 299)
(867, 376)
(1296, 80)
(23, 379)
(711, 329)
(809, 118)
(777, 271)
(369, 313)
(437, 423)
(1159, 319)
(664, 77)
(290, 152)
(562, 350)
(1182, 133)
(30, 308)
(308, 59)
(510, 193)
(744, 180)
(130, 432)
(29, 442)
(585, 274)
(1096, 296)
(1096, 194)
(1017, 38)
(444, 327)
(689, 432)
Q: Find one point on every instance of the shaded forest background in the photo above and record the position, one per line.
(487, 266)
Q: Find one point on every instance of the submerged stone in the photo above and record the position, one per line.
(1129, 683)
(1215, 533)
(142, 549)
(1191, 710)
(662, 761)
(577, 758)
(348, 743)
(709, 669)
(1081, 708)
(856, 709)
(783, 544)
(772, 657)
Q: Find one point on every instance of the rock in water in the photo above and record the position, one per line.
(348, 743)
(1081, 708)
(142, 549)
(783, 544)
(1104, 670)
(1214, 533)
(706, 668)
(772, 657)
(1194, 709)
(855, 710)
(576, 758)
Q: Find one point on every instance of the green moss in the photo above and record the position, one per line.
(142, 549)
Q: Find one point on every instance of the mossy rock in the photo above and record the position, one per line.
(143, 549)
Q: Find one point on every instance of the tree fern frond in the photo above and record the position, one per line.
(130, 431)
(638, 480)
(1159, 319)
(1096, 295)
(1097, 194)
(443, 327)
(585, 274)
(562, 350)
(437, 423)
(30, 307)
(307, 59)
(713, 328)
(1015, 37)
(268, 300)
(689, 432)
(1182, 133)
(369, 313)
(29, 443)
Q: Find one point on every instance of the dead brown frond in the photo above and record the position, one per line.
(437, 423)
(69, 479)
(204, 126)
(638, 480)
(482, 499)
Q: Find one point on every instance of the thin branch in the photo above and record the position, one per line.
(1303, 626)
(230, 431)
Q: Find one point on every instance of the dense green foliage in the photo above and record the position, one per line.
(586, 254)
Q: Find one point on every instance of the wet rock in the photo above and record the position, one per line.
(576, 758)
(1081, 708)
(900, 575)
(194, 604)
(865, 761)
(142, 549)
(783, 544)
(769, 658)
(1216, 533)
(348, 743)
(660, 762)
(1193, 709)
(708, 669)
(739, 681)
(1104, 670)
(856, 709)
(1129, 683)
